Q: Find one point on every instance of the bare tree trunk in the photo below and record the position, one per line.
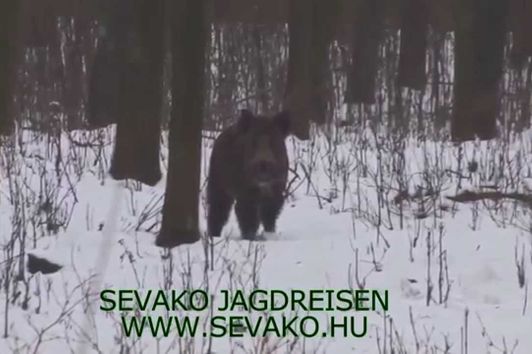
(180, 224)
(299, 83)
(226, 78)
(441, 15)
(9, 59)
(479, 51)
(520, 20)
(438, 43)
(78, 52)
(40, 23)
(104, 81)
(366, 38)
(311, 27)
(413, 50)
(325, 16)
(107, 69)
(137, 147)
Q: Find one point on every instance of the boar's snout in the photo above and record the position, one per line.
(264, 171)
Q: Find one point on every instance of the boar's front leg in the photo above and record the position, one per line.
(247, 214)
(270, 209)
(219, 206)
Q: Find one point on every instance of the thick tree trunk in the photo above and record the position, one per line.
(108, 68)
(325, 21)
(299, 82)
(441, 15)
(479, 49)
(9, 59)
(521, 24)
(40, 23)
(311, 26)
(104, 85)
(180, 224)
(137, 145)
(413, 50)
(366, 38)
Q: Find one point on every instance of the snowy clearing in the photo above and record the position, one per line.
(364, 211)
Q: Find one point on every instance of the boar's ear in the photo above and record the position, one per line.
(282, 120)
(245, 120)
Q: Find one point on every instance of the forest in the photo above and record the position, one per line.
(410, 164)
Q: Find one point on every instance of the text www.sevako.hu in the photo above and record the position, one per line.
(239, 326)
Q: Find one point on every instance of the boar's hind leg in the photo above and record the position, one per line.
(219, 207)
(270, 210)
(246, 210)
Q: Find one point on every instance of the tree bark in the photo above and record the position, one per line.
(441, 15)
(311, 27)
(521, 24)
(298, 82)
(138, 131)
(9, 59)
(413, 49)
(366, 38)
(40, 23)
(479, 50)
(180, 224)
(325, 17)
(107, 70)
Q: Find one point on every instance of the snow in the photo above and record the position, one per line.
(328, 242)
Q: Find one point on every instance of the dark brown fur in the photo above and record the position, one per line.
(249, 165)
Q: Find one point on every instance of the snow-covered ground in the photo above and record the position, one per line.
(451, 269)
